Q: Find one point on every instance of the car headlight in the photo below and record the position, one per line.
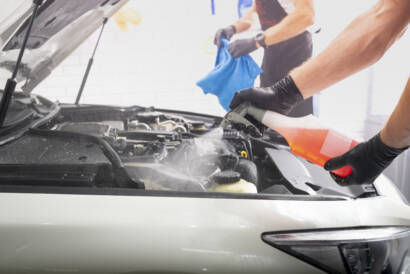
(348, 250)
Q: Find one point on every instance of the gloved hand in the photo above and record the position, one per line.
(367, 159)
(248, 109)
(227, 32)
(242, 47)
(281, 97)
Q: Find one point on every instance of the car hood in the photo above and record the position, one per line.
(59, 28)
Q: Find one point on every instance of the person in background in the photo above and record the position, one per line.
(285, 38)
(360, 45)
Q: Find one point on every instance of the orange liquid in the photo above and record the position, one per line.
(318, 145)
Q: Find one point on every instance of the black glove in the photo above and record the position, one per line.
(281, 97)
(227, 32)
(367, 159)
(242, 47)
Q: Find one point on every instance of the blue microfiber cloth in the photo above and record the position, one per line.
(229, 75)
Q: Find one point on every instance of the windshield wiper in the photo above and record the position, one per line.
(90, 63)
(11, 82)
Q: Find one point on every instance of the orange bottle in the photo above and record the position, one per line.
(310, 139)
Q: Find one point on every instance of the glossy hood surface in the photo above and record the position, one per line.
(59, 28)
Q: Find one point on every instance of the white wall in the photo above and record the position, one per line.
(156, 63)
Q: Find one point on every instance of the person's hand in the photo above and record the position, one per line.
(242, 47)
(248, 109)
(367, 159)
(227, 32)
(281, 97)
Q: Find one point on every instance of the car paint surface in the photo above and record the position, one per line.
(142, 234)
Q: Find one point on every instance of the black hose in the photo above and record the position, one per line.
(248, 171)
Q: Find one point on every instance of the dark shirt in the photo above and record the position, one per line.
(270, 12)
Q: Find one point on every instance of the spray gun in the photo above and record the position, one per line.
(236, 117)
(306, 136)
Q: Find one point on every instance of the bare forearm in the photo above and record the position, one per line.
(396, 133)
(246, 21)
(290, 26)
(361, 44)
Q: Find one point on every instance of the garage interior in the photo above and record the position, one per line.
(133, 65)
(150, 173)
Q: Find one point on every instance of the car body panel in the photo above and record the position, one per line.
(122, 234)
(125, 230)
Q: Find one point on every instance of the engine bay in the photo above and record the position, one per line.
(169, 152)
(151, 149)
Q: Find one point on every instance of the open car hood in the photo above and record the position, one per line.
(59, 28)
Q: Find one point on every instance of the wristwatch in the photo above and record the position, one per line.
(260, 39)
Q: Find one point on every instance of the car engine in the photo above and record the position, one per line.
(161, 150)
(170, 152)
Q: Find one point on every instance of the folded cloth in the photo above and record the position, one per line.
(229, 75)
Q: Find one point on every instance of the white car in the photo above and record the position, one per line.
(108, 189)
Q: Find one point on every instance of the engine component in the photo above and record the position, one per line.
(237, 120)
(163, 177)
(90, 128)
(248, 171)
(135, 125)
(158, 121)
(169, 125)
(155, 145)
(226, 177)
(230, 181)
(296, 174)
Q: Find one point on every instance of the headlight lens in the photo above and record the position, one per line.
(350, 250)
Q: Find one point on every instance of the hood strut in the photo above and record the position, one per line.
(11, 82)
(90, 63)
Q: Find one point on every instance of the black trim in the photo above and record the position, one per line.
(160, 193)
(121, 175)
(34, 124)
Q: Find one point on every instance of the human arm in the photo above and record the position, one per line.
(369, 159)
(241, 25)
(245, 22)
(363, 42)
(360, 45)
(396, 132)
(293, 24)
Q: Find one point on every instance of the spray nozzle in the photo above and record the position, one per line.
(237, 118)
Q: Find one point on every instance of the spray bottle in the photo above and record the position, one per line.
(307, 136)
